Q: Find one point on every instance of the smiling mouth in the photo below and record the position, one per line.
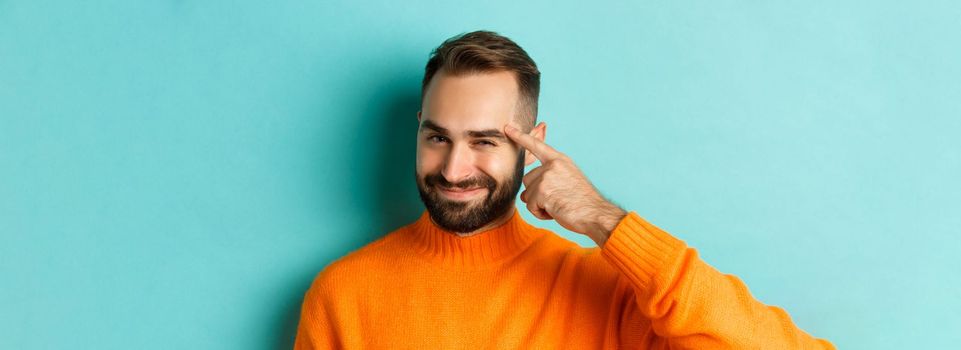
(455, 189)
(461, 192)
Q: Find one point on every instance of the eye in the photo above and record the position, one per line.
(436, 139)
(486, 143)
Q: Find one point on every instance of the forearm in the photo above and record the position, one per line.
(689, 302)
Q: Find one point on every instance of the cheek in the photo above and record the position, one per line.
(497, 165)
(428, 160)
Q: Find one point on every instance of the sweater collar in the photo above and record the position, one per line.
(444, 247)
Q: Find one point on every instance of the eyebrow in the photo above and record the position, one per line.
(488, 133)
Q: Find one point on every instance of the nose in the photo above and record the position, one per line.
(459, 164)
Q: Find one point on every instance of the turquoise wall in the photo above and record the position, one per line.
(174, 173)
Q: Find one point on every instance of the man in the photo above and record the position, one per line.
(471, 273)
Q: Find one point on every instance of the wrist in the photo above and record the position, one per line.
(604, 222)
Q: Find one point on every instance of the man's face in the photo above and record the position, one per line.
(468, 171)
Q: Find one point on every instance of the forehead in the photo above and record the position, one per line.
(472, 101)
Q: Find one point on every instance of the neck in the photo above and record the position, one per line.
(493, 224)
(500, 240)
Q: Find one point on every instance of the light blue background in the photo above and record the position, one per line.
(174, 173)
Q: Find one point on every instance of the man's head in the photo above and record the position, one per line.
(468, 171)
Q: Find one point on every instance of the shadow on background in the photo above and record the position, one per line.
(385, 146)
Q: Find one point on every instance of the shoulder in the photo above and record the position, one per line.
(557, 244)
(587, 262)
(579, 272)
(356, 267)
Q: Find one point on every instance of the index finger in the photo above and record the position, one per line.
(541, 150)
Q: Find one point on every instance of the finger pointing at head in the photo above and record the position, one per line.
(541, 150)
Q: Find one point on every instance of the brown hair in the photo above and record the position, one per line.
(487, 52)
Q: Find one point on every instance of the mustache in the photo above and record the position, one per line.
(474, 182)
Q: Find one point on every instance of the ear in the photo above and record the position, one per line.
(539, 132)
(418, 117)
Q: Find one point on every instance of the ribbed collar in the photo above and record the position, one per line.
(483, 248)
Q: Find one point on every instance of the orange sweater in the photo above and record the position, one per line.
(521, 287)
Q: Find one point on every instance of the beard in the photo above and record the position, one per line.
(465, 216)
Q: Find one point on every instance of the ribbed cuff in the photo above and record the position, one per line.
(641, 250)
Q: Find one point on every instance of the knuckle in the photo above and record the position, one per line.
(532, 208)
(527, 179)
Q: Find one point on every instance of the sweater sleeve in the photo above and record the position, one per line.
(691, 305)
